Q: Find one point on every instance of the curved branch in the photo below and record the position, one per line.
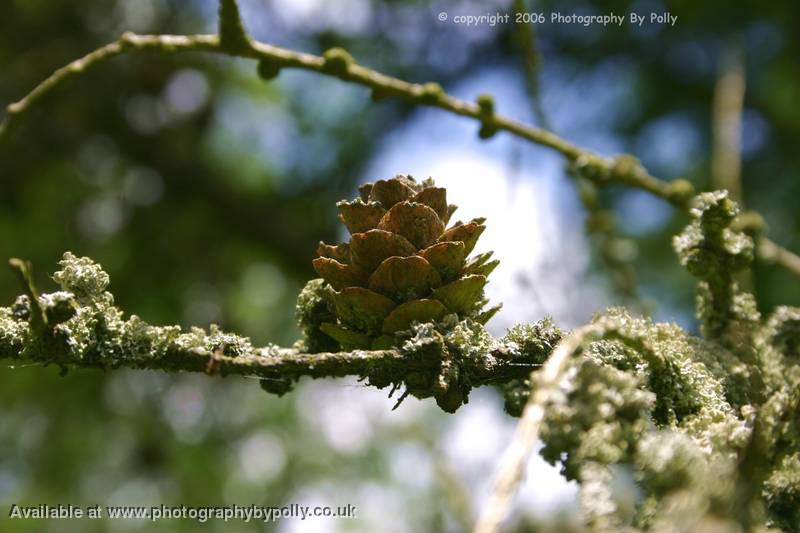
(427, 94)
(623, 169)
(129, 42)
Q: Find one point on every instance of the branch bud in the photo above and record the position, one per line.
(432, 93)
(337, 61)
(268, 69)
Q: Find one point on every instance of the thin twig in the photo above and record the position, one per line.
(531, 61)
(726, 130)
(601, 226)
(426, 94)
(771, 253)
(623, 170)
(726, 160)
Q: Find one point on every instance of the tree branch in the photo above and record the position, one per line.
(773, 254)
(622, 169)
(531, 61)
(135, 344)
(726, 118)
(80, 327)
(217, 353)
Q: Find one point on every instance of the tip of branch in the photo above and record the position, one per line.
(3, 128)
(24, 271)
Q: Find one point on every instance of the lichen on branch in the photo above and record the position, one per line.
(628, 397)
(81, 327)
(714, 252)
(706, 428)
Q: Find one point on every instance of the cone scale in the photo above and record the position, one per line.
(402, 264)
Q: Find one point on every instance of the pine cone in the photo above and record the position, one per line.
(401, 264)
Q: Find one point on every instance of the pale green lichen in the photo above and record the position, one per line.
(58, 306)
(664, 356)
(139, 339)
(84, 326)
(435, 350)
(228, 344)
(13, 331)
(453, 355)
(678, 411)
(445, 359)
(713, 252)
(655, 400)
(783, 494)
(597, 415)
(669, 461)
(528, 345)
(21, 309)
(783, 332)
(600, 509)
(82, 277)
(467, 338)
(532, 343)
(314, 308)
(422, 341)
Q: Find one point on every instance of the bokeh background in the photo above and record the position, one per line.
(203, 191)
